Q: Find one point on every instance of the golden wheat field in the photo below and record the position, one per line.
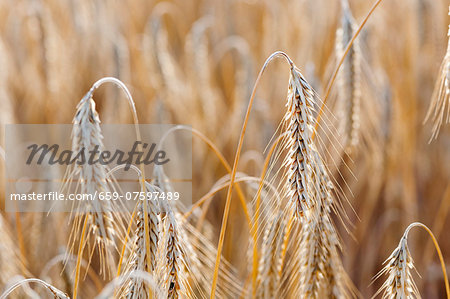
(317, 162)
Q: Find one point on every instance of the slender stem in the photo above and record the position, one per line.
(132, 107)
(233, 173)
(125, 90)
(21, 242)
(228, 168)
(79, 256)
(333, 78)
(224, 163)
(122, 253)
(208, 195)
(438, 224)
(147, 236)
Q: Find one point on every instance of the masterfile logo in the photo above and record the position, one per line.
(47, 169)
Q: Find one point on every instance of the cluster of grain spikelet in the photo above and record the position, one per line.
(269, 275)
(299, 160)
(167, 251)
(439, 110)
(139, 261)
(400, 283)
(173, 259)
(38, 50)
(156, 249)
(91, 179)
(323, 272)
(182, 267)
(309, 190)
(174, 262)
(355, 123)
(349, 80)
(307, 181)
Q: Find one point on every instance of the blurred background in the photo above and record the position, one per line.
(195, 63)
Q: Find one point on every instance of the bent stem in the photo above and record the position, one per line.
(56, 292)
(204, 199)
(130, 100)
(438, 224)
(438, 250)
(233, 173)
(228, 168)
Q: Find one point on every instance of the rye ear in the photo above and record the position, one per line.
(439, 109)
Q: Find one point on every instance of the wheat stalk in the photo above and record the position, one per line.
(91, 179)
(270, 260)
(57, 294)
(439, 110)
(299, 127)
(349, 79)
(109, 290)
(323, 275)
(322, 272)
(136, 288)
(400, 283)
(174, 259)
(309, 191)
